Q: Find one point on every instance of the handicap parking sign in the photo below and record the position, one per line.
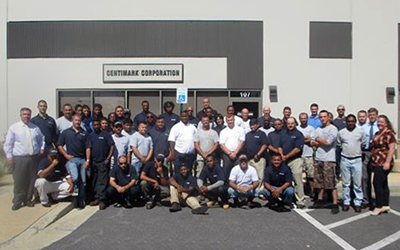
(181, 95)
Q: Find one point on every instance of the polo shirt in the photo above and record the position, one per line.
(218, 129)
(212, 174)
(231, 137)
(275, 138)
(243, 177)
(183, 136)
(141, 117)
(121, 147)
(201, 113)
(160, 140)
(189, 181)
(307, 132)
(47, 126)
(261, 121)
(340, 123)
(58, 173)
(101, 143)
(143, 143)
(290, 140)
(170, 119)
(351, 142)
(150, 170)
(63, 123)
(278, 176)
(246, 126)
(76, 142)
(206, 139)
(124, 176)
(254, 141)
(238, 121)
(326, 153)
(314, 121)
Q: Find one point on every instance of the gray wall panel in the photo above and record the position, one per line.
(240, 41)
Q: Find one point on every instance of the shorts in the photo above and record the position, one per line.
(308, 165)
(324, 174)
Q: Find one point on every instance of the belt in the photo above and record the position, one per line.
(351, 158)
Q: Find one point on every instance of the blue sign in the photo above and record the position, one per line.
(181, 95)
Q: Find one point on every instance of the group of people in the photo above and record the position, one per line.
(201, 160)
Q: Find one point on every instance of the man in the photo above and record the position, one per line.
(52, 179)
(150, 121)
(119, 113)
(308, 152)
(230, 112)
(287, 112)
(350, 140)
(123, 184)
(231, 141)
(266, 115)
(154, 181)
(340, 120)
(313, 119)
(65, 121)
(278, 185)
(121, 144)
(209, 113)
(256, 148)
(170, 118)
(127, 114)
(77, 154)
(142, 116)
(46, 124)
(78, 110)
(181, 144)
(245, 120)
(141, 146)
(243, 183)
(362, 118)
(102, 151)
(127, 125)
(211, 182)
(159, 135)
(24, 142)
(183, 188)
(105, 125)
(291, 149)
(275, 137)
(266, 126)
(369, 128)
(192, 120)
(206, 104)
(206, 143)
(325, 161)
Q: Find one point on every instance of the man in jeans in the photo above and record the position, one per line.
(142, 147)
(77, 153)
(350, 141)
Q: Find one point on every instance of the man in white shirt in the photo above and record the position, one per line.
(181, 143)
(64, 122)
(24, 142)
(243, 183)
(230, 112)
(121, 144)
(231, 141)
(245, 120)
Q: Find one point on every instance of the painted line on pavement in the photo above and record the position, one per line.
(341, 242)
(384, 242)
(394, 212)
(348, 220)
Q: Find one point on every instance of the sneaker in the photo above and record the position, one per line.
(128, 204)
(210, 204)
(357, 209)
(335, 209)
(16, 206)
(48, 204)
(286, 208)
(250, 204)
(318, 204)
(175, 207)
(300, 205)
(151, 204)
(81, 204)
(30, 204)
(102, 206)
(345, 208)
(225, 206)
(94, 203)
(199, 210)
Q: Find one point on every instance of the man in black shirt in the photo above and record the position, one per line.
(46, 124)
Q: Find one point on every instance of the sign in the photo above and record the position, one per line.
(142, 73)
(181, 95)
(245, 94)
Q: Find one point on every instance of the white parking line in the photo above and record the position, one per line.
(394, 212)
(341, 242)
(382, 243)
(348, 220)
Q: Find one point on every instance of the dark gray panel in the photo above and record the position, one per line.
(330, 40)
(240, 41)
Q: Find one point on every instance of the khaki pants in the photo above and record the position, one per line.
(260, 167)
(297, 171)
(183, 198)
(199, 167)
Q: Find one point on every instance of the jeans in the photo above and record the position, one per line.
(234, 193)
(186, 158)
(76, 168)
(138, 166)
(220, 191)
(352, 171)
(286, 195)
(128, 195)
(149, 190)
(381, 188)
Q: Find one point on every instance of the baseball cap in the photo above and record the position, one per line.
(117, 123)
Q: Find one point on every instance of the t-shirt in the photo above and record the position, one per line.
(47, 126)
(243, 177)
(101, 143)
(351, 142)
(326, 153)
(160, 140)
(275, 138)
(307, 132)
(170, 120)
(212, 175)
(277, 177)
(290, 140)
(58, 173)
(206, 139)
(189, 181)
(232, 137)
(340, 123)
(76, 142)
(150, 170)
(254, 141)
(183, 136)
(143, 143)
(124, 176)
(121, 148)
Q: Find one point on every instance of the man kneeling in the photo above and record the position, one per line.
(154, 181)
(123, 184)
(183, 188)
(53, 179)
(278, 185)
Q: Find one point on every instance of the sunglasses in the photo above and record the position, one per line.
(122, 163)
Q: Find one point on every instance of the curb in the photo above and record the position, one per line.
(46, 220)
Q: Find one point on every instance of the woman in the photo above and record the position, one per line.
(383, 148)
(219, 126)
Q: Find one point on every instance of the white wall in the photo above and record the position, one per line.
(3, 69)
(358, 83)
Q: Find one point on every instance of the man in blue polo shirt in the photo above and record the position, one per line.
(278, 185)
(142, 116)
(211, 182)
(313, 119)
(102, 151)
(170, 118)
(291, 149)
(275, 137)
(123, 184)
(154, 181)
(46, 124)
(183, 188)
(159, 136)
(77, 153)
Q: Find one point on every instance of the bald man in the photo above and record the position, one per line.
(206, 104)
(246, 121)
(266, 115)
